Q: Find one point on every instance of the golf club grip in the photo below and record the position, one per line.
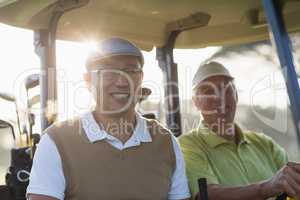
(202, 188)
(282, 197)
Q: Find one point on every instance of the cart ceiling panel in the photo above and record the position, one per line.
(145, 22)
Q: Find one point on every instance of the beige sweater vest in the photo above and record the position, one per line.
(97, 170)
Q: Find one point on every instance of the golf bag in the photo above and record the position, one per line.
(17, 177)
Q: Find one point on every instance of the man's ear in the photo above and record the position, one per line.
(196, 101)
(142, 75)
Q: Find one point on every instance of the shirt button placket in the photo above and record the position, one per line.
(239, 152)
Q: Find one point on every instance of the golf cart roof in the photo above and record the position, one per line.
(149, 22)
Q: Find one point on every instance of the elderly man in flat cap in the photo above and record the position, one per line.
(110, 153)
(237, 164)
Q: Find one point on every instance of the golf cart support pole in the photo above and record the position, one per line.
(165, 59)
(45, 43)
(273, 10)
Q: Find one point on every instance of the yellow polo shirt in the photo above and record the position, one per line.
(257, 157)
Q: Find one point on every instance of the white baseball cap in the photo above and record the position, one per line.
(114, 47)
(208, 70)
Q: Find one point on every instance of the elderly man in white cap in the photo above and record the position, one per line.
(112, 152)
(237, 164)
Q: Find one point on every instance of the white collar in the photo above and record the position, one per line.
(94, 132)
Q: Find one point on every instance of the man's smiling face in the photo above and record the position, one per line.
(117, 83)
(216, 98)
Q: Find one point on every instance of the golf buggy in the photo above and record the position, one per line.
(162, 24)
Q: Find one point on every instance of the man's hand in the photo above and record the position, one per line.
(286, 180)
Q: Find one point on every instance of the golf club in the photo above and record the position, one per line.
(6, 124)
(11, 98)
(31, 81)
(31, 117)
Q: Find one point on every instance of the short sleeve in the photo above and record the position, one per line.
(46, 176)
(279, 155)
(197, 165)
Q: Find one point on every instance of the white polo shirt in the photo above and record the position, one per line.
(47, 177)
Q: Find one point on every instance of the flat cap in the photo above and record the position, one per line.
(114, 47)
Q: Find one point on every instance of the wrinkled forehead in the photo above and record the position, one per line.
(119, 62)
